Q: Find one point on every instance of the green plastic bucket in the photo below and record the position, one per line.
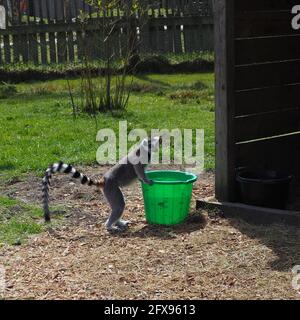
(167, 201)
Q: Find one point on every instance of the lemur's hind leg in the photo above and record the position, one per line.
(122, 223)
(115, 198)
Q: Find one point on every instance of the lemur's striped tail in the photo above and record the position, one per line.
(67, 169)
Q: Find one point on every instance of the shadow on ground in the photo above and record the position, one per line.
(283, 240)
(194, 223)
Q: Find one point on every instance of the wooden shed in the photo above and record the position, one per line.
(257, 99)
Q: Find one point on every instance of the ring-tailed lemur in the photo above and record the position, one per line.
(126, 171)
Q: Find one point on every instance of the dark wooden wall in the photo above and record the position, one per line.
(258, 89)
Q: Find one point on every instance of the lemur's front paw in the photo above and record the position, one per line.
(149, 182)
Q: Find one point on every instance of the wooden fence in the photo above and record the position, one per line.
(51, 31)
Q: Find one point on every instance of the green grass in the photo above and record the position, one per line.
(37, 128)
(18, 221)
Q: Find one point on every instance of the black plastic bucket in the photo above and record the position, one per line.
(264, 188)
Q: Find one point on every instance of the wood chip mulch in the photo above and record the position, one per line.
(205, 258)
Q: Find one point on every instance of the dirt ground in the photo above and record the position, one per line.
(207, 257)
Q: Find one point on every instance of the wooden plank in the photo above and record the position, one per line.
(180, 7)
(224, 71)
(33, 48)
(178, 45)
(115, 41)
(153, 39)
(57, 15)
(145, 38)
(264, 23)
(101, 47)
(258, 50)
(144, 43)
(267, 75)
(123, 41)
(120, 43)
(80, 45)
(33, 36)
(267, 99)
(169, 39)
(16, 48)
(51, 33)
(88, 45)
(61, 47)
(161, 39)
(207, 33)
(24, 47)
(278, 153)
(76, 9)
(42, 36)
(52, 47)
(44, 48)
(167, 8)
(252, 214)
(20, 13)
(267, 125)
(90, 12)
(199, 35)
(47, 9)
(7, 49)
(71, 45)
(188, 39)
(196, 38)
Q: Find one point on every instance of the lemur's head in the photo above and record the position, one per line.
(151, 144)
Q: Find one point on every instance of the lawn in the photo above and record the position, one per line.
(18, 220)
(37, 128)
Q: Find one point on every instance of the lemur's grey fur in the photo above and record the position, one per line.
(126, 171)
